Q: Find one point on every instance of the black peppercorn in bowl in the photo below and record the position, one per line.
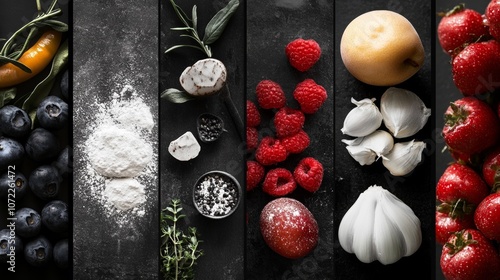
(216, 194)
(210, 127)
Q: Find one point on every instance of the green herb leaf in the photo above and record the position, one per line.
(176, 96)
(56, 25)
(44, 87)
(216, 25)
(194, 17)
(7, 95)
(4, 60)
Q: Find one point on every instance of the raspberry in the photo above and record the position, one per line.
(309, 174)
(270, 151)
(252, 138)
(303, 54)
(310, 96)
(253, 115)
(296, 143)
(279, 182)
(255, 173)
(288, 121)
(270, 95)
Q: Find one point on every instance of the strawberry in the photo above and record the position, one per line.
(476, 69)
(270, 95)
(468, 255)
(446, 225)
(270, 151)
(487, 217)
(491, 169)
(492, 15)
(288, 121)
(471, 127)
(279, 182)
(303, 54)
(460, 189)
(310, 96)
(458, 27)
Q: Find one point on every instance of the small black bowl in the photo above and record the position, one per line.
(210, 127)
(216, 194)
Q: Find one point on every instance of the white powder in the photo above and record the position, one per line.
(119, 156)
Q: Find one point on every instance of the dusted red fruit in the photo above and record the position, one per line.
(487, 216)
(309, 174)
(491, 169)
(270, 151)
(253, 115)
(303, 54)
(476, 69)
(460, 184)
(255, 174)
(446, 225)
(471, 127)
(279, 182)
(458, 27)
(492, 15)
(252, 138)
(468, 255)
(289, 228)
(288, 121)
(310, 96)
(270, 95)
(296, 143)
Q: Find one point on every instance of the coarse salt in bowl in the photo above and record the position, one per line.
(216, 194)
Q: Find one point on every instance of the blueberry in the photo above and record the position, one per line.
(28, 222)
(52, 113)
(14, 122)
(65, 85)
(16, 181)
(11, 152)
(7, 243)
(45, 181)
(38, 252)
(61, 254)
(64, 162)
(55, 216)
(42, 145)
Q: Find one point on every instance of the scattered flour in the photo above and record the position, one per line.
(119, 156)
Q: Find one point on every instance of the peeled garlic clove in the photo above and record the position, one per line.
(362, 120)
(362, 155)
(379, 226)
(205, 77)
(404, 113)
(404, 157)
(184, 148)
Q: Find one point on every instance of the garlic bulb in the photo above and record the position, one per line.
(379, 226)
(404, 113)
(362, 120)
(404, 157)
(380, 142)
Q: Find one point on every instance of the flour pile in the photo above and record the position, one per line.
(120, 159)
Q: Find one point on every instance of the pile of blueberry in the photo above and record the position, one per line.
(35, 171)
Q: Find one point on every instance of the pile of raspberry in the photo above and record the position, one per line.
(288, 136)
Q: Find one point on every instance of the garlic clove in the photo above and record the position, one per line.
(362, 120)
(403, 112)
(362, 155)
(404, 157)
(379, 226)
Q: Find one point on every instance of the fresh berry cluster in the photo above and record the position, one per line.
(288, 128)
(467, 193)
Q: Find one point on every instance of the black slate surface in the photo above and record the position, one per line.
(14, 15)
(446, 92)
(415, 189)
(222, 239)
(115, 43)
(271, 25)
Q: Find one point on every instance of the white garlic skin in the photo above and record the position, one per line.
(404, 157)
(403, 112)
(362, 120)
(379, 226)
(362, 155)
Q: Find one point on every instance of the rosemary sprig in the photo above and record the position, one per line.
(213, 30)
(179, 251)
(15, 46)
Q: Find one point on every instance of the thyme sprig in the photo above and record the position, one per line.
(15, 46)
(213, 30)
(179, 251)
